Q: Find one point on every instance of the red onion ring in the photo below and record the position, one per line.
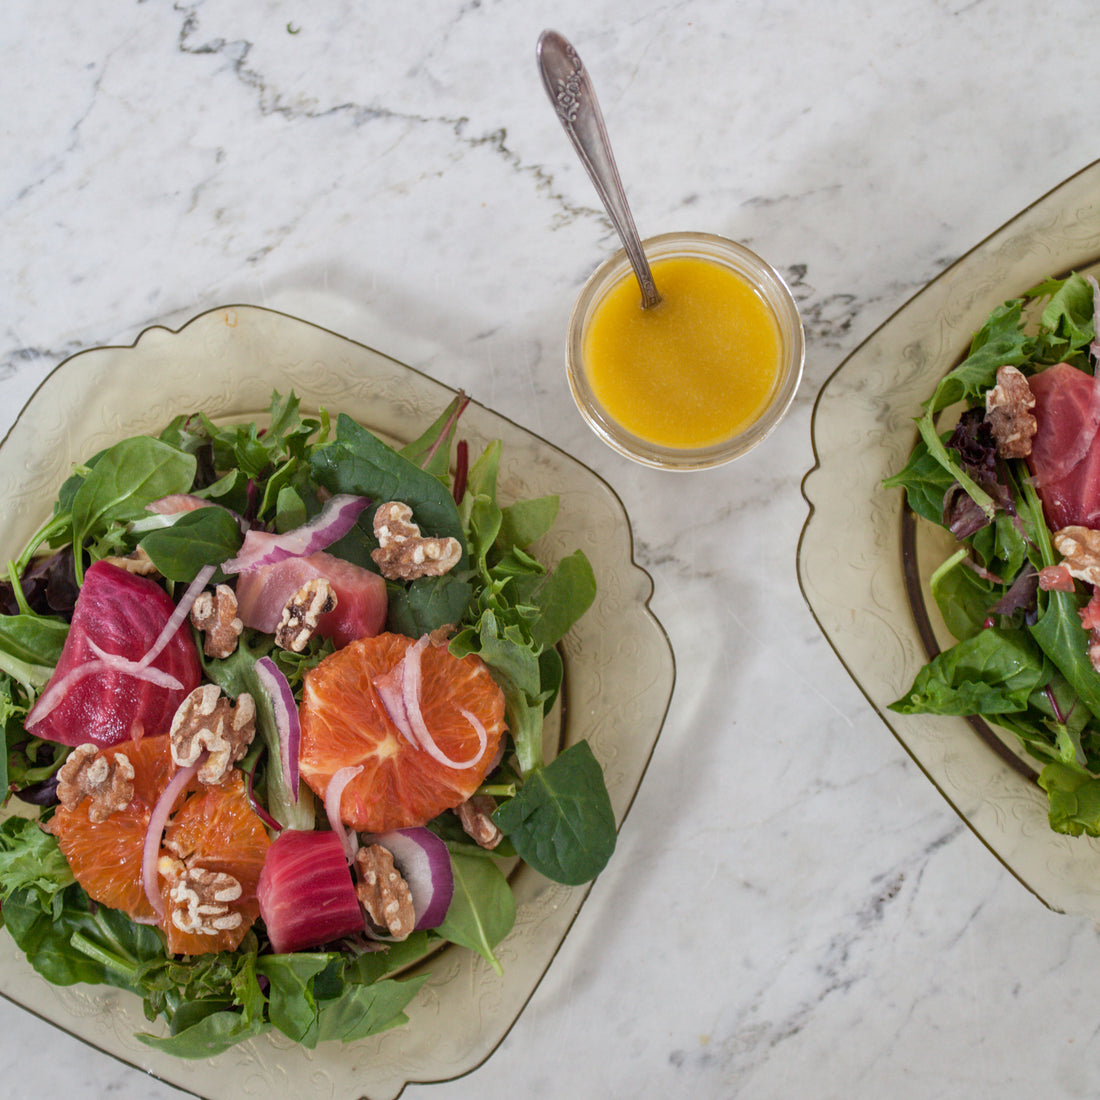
(136, 669)
(425, 864)
(333, 793)
(154, 831)
(335, 520)
(179, 616)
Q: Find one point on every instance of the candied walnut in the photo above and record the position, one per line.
(475, 814)
(403, 553)
(1080, 550)
(138, 562)
(107, 782)
(215, 615)
(1008, 408)
(383, 892)
(200, 899)
(302, 613)
(207, 720)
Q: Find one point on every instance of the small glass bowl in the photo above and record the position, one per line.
(770, 287)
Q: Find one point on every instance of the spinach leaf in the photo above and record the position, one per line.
(206, 536)
(128, 477)
(34, 639)
(993, 671)
(205, 1029)
(483, 908)
(1074, 798)
(291, 1004)
(364, 1010)
(358, 462)
(561, 821)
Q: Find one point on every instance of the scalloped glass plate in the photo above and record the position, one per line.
(864, 566)
(619, 668)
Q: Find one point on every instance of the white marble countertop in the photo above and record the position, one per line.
(792, 909)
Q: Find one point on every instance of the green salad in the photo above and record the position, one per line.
(194, 813)
(1017, 482)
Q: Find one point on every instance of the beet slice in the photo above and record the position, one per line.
(306, 893)
(121, 615)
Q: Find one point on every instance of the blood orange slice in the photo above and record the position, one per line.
(213, 828)
(345, 724)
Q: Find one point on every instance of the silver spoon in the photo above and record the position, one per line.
(570, 90)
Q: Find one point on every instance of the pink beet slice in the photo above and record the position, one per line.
(306, 893)
(123, 615)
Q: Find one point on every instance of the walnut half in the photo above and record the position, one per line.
(475, 814)
(215, 615)
(403, 552)
(201, 899)
(1008, 408)
(383, 892)
(1080, 550)
(303, 612)
(207, 720)
(106, 781)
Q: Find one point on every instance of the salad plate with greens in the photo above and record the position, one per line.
(938, 555)
(325, 692)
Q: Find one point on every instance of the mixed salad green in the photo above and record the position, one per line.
(499, 603)
(1023, 625)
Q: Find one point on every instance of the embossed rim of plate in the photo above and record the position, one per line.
(850, 562)
(90, 400)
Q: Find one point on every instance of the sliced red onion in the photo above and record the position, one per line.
(287, 725)
(154, 831)
(333, 793)
(411, 679)
(335, 520)
(57, 691)
(135, 668)
(425, 864)
(179, 616)
(388, 687)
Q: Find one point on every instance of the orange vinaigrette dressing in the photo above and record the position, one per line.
(692, 371)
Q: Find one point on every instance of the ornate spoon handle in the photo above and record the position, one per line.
(570, 90)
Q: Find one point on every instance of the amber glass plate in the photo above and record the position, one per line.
(619, 668)
(864, 565)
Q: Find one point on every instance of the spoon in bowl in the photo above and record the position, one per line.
(570, 90)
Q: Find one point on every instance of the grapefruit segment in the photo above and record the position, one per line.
(345, 724)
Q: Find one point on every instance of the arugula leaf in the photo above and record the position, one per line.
(561, 821)
(925, 480)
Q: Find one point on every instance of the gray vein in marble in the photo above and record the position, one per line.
(272, 102)
(752, 1043)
